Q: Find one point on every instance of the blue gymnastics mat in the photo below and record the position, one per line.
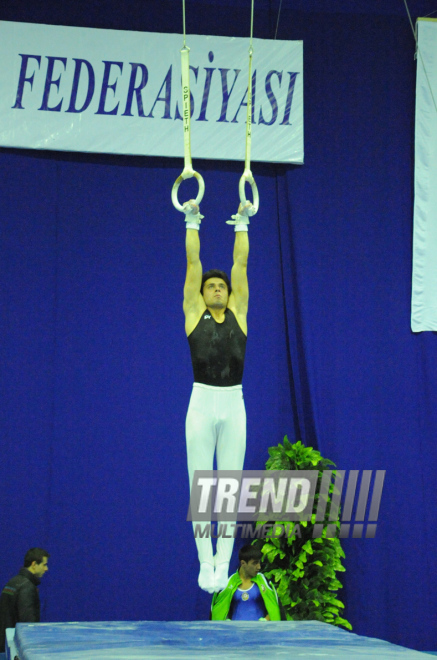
(209, 640)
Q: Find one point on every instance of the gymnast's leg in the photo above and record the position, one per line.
(231, 448)
(201, 441)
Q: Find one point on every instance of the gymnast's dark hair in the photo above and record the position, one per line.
(215, 273)
(34, 554)
(249, 552)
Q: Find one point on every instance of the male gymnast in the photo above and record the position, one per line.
(249, 596)
(216, 326)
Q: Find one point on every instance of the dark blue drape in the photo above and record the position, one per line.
(96, 376)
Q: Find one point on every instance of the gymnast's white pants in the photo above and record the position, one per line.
(216, 421)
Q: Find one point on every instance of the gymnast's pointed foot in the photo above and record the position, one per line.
(206, 577)
(221, 577)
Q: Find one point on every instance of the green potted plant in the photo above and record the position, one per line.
(302, 568)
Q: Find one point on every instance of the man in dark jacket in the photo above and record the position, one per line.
(19, 600)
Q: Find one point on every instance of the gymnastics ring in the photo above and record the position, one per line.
(187, 173)
(247, 177)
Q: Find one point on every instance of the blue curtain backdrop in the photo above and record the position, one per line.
(95, 369)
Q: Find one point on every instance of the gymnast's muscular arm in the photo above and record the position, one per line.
(239, 298)
(193, 300)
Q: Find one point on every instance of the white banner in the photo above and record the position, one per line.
(424, 286)
(109, 91)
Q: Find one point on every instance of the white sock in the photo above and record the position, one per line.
(221, 577)
(206, 577)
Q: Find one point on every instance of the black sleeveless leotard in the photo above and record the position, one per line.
(217, 350)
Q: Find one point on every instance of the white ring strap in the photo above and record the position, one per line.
(247, 174)
(188, 171)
